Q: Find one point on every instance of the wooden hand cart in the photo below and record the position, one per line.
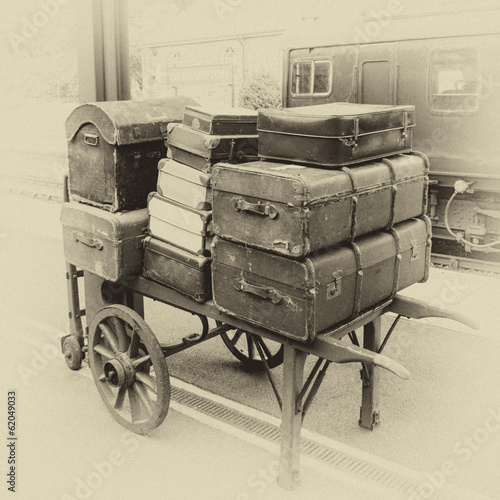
(130, 369)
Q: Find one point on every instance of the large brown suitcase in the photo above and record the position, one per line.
(299, 299)
(221, 121)
(104, 243)
(184, 184)
(179, 224)
(179, 269)
(293, 210)
(201, 151)
(335, 134)
(114, 148)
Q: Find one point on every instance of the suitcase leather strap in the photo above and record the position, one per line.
(359, 280)
(264, 209)
(354, 202)
(394, 190)
(265, 292)
(397, 262)
(426, 182)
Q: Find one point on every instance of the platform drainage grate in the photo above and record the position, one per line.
(339, 460)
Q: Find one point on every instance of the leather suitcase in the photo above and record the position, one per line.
(221, 121)
(293, 210)
(179, 224)
(202, 151)
(114, 148)
(179, 269)
(104, 243)
(300, 299)
(335, 134)
(184, 184)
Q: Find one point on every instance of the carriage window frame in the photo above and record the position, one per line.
(460, 109)
(313, 63)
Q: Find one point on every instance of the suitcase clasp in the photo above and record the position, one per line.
(334, 288)
(415, 250)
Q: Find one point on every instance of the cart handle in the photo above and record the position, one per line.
(334, 350)
(414, 308)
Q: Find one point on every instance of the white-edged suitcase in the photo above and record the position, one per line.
(176, 223)
(184, 184)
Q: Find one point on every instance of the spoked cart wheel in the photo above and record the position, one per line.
(129, 368)
(245, 347)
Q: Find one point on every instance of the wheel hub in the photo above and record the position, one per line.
(119, 371)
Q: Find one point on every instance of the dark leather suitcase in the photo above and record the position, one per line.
(184, 184)
(221, 121)
(201, 151)
(179, 224)
(114, 148)
(335, 134)
(300, 299)
(104, 243)
(293, 210)
(179, 269)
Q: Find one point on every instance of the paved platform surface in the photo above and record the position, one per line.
(444, 421)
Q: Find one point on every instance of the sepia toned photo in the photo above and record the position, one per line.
(250, 249)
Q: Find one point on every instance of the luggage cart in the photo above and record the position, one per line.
(129, 364)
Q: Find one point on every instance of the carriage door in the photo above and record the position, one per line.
(376, 63)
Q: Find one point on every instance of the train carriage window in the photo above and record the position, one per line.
(454, 80)
(311, 77)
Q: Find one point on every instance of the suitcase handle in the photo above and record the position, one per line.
(90, 242)
(91, 139)
(266, 210)
(261, 291)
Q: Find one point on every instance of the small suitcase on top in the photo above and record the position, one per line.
(103, 243)
(299, 299)
(180, 225)
(178, 268)
(293, 210)
(335, 134)
(221, 121)
(114, 148)
(184, 184)
(201, 151)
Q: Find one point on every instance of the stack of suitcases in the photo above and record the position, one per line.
(113, 153)
(178, 249)
(299, 248)
(295, 220)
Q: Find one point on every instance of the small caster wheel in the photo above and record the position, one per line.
(73, 354)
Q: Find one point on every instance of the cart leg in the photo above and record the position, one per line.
(369, 414)
(75, 313)
(135, 301)
(291, 419)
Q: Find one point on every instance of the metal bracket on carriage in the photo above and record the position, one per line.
(195, 338)
(417, 309)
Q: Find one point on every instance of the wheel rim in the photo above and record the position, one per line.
(129, 368)
(243, 346)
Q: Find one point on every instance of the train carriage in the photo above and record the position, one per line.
(445, 63)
